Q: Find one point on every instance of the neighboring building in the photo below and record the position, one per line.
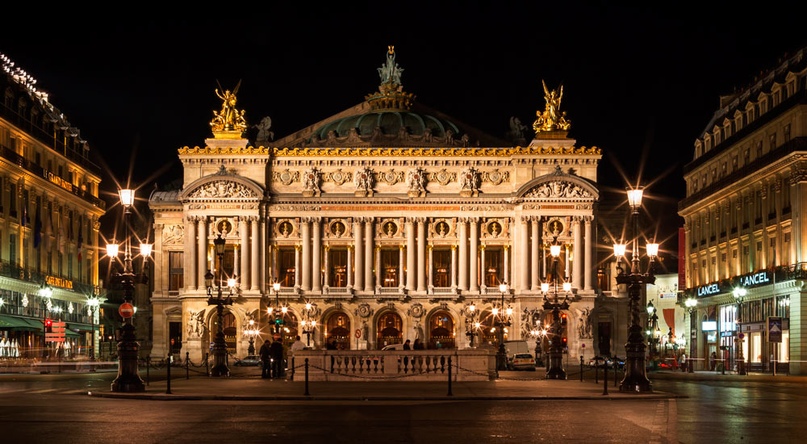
(743, 212)
(390, 219)
(49, 221)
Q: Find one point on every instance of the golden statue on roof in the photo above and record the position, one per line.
(229, 118)
(551, 119)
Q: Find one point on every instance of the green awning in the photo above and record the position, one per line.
(16, 323)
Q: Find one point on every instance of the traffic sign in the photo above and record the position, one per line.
(126, 310)
(358, 333)
(57, 332)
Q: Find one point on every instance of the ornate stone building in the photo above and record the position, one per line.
(382, 223)
(745, 190)
(49, 222)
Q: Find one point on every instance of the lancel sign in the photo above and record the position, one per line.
(748, 280)
(754, 279)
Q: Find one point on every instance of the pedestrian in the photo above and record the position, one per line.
(331, 344)
(276, 352)
(265, 359)
(298, 344)
(713, 361)
(407, 346)
(683, 362)
(417, 345)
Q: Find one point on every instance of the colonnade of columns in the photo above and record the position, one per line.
(415, 260)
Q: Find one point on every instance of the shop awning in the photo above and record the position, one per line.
(12, 322)
(16, 323)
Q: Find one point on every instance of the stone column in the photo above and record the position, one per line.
(421, 254)
(535, 253)
(316, 259)
(524, 268)
(589, 254)
(411, 272)
(305, 239)
(462, 266)
(200, 253)
(255, 278)
(358, 234)
(578, 253)
(369, 244)
(243, 273)
(191, 254)
(473, 255)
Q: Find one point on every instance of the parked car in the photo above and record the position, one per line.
(522, 361)
(598, 361)
(249, 361)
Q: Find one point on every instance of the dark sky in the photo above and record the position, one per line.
(640, 83)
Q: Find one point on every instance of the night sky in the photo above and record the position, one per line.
(639, 83)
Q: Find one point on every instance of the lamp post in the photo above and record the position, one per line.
(308, 324)
(652, 333)
(278, 311)
(555, 369)
(251, 332)
(219, 344)
(128, 379)
(472, 323)
(635, 379)
(502, 320)
(739, 296)
(93, 303)
(45, 292)
(691, 305)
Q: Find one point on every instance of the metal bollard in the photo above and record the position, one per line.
(148, 366)
(604, 378)
(168, 375)
(581, 368)
(306, 377)
(449, 377)
(187, 365)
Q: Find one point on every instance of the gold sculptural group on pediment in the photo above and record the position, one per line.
(551, 119)
(229, 118)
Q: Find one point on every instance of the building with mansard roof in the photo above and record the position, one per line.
(384, 222)
(745, 237)
(49, 222)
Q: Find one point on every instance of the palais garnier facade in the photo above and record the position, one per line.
(384, 222)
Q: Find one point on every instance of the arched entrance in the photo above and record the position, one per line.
(441, 330)
(337, 327)
(389, 329)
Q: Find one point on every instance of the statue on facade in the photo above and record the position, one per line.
(551, 119)
(229, 118)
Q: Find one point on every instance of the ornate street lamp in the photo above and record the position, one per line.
(653, 333)
(691, 305)
(635, 379)
(45, 292)
(555, 368)
(219, 344)
(251, 331)
(93, 304)
(472, 324)
(309, 324)
(739, 296)
(277, 311)
(502, 319)
(128, 380)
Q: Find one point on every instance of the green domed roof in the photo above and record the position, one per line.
(388, 122)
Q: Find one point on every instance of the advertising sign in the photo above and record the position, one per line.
(774, 327)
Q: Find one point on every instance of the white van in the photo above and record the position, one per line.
(513, 348)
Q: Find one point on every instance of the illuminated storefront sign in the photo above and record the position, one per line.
(708, 290)
(754, 279)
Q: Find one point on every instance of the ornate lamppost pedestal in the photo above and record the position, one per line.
(555, 369)
(220, 367)
(128, 381)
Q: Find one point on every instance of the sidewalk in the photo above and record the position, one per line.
(510, 386)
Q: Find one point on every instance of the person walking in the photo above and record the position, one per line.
(265, 359)
(276, 353)
(406, 345)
